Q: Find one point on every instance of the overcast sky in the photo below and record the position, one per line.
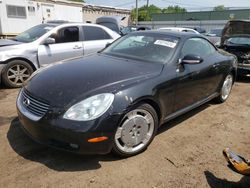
(189, 4)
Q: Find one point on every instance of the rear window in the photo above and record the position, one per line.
(95, 33)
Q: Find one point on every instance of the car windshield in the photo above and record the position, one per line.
(239, 40)
(151, 47)
(34, 33)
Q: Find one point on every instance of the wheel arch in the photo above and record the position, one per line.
(22, 59)
(152, 103)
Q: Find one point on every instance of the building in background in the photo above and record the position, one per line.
(206, 19)
(17, 16)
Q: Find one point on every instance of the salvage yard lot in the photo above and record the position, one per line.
(187, 152)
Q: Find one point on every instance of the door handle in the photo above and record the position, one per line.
(77, 47)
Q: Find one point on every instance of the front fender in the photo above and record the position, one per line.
(22, 51)
(128, 98)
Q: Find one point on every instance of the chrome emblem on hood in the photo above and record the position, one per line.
(26, 102)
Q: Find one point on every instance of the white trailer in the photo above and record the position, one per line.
(17, 16)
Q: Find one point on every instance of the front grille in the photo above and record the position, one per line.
(33, 105)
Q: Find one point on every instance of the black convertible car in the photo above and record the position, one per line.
(116, 99)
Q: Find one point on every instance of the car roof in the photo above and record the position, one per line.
(178, 29)
(71, 24)
(174, 28)
(79, 23)
(170, 33)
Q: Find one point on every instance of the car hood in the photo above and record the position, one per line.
(71, 81)
(7, 42)
(235, 28)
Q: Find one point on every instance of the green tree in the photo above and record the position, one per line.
(144, 12)
(174, 9)
(219, 8)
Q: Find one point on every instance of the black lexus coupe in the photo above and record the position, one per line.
(115, 100)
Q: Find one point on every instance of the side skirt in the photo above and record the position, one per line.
(189, 108)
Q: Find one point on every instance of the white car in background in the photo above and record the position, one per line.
(48, 43)
(179, 29)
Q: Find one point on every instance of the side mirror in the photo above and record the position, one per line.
(191, 59)
(49, 41)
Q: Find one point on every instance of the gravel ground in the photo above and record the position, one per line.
(187, 152)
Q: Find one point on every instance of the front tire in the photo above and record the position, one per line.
(136, 131)
(225, 89)
(15, 73)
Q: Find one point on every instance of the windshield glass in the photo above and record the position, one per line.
(34, 33)
(239, 40)
(151, 48)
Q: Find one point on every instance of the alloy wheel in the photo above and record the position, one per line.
(18, 74)
(135, 132)
(227, 87)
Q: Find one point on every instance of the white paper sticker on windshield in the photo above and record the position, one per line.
(165, 43)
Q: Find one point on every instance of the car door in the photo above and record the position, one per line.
(95, 38)
(67, 45)
(196, 82)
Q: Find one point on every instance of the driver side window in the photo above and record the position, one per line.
(197, 46)
(67, 34)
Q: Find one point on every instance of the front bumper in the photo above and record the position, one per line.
(70, 135)
(243, 69)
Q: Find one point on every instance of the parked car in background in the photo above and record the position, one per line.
(179, 29)
(215, 32)
(116, 99)
(133, 28)
(111, 22)
(236, 40)
(214, 35)
(199, 29)
(48, 43)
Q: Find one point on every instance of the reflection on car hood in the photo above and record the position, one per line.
(235, 28)
(71, 81)
(7, 42)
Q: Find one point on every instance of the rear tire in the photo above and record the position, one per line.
(15, 73)
(225, 89)
(136, 131)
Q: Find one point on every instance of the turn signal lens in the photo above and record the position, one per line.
(98, 139)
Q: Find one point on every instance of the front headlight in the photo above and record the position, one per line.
(90, 108)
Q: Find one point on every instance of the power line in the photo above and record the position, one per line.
(124, 4)
(189, 6)
(128, 3)
(185, 4)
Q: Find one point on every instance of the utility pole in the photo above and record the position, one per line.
(136, 13)
(147, 9)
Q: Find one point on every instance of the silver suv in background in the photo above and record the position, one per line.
(48, 43)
